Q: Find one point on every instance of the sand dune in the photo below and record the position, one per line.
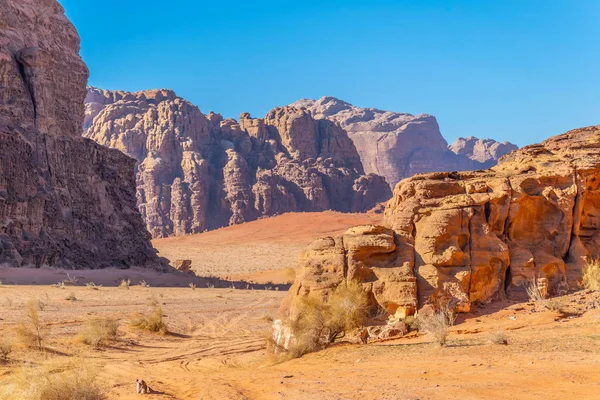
(258, 250)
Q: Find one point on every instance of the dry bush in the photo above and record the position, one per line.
(93, 286)
(192, 286)
(320, 322)
(99, 332)
(591, 275)
(437, 323)
(144, 284)
(32, 332)
(125, 283)
(534, 292)
(71, 383)
(152, 323)
(6, 347)
(290, 275)
(498, 337)
(555, 303)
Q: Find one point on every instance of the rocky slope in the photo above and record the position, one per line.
(398, 145)
(197, 172)
(484, 151)
(472, 237)
(65, 201)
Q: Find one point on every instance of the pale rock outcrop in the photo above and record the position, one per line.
(485, 151)
(397, 145)
(197, 172)
(65, 201)
(467, 238)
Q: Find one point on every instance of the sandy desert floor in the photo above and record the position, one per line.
(258, 251)
(216, 349)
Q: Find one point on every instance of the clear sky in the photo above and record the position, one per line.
(517, 70)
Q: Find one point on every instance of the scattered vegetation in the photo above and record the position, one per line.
(71, 297)
(534, 292)
(71, 383)
(93, 286)
(192, 285)
(555, 304)
(32, 332)
(498, 337)
(99, 332)
(152, 322)
(322, 322)
(437, 323)
(144, 284)
(125, 283)
(591, 275)
(6, 347)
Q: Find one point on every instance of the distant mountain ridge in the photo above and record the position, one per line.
(197, 172)
(399, 145)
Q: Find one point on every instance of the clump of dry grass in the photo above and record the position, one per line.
(32, 332)
(437, 323)
(591, 275)
(555, 303)
(152, 322)
(125, 284)
(537, 295)
(93, 286)
(99, 332)
(321, 322)
(498, 337)
(534, 292)
(192, 286)
(71, 383)
(144, 284)
(6, 347)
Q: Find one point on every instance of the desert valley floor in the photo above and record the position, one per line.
(216, 349)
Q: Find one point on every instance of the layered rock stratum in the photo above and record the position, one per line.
(65, 201)
(484, 151)
(197, 172)
(399, 145)
(467, 238)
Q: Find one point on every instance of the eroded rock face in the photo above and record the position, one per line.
(197, 172)
(472, 237)
(65, 201)
(485, 151)
(398, 145)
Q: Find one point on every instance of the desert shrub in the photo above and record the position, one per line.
(554, 303)
(534, 292)
(591, 275)
(99, 332)
(290, 275)
(6, 347)
(93, 286)
(32, 332)
(72, 383)
(437, 323)
(192, 286)
(125, 283)
(152, 322)
(321, 322)
(498, 337)
(144, 284)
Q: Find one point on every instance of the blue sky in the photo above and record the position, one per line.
(517, 70)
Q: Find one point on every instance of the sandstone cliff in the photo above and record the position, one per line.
(472, 237)
(65, 201)
(397, 145)
(198, 172)
(485, 151)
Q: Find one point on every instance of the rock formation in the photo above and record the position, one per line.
(485, 151)
(197, 172)
(472, 237)
(65, 201)
(397, 145)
